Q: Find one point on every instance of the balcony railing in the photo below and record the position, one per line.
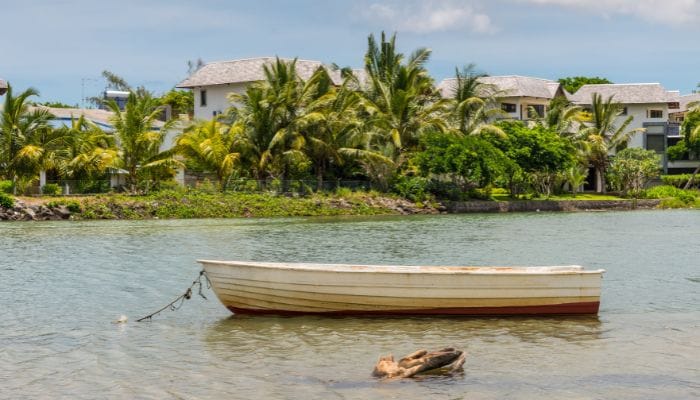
(674, 129)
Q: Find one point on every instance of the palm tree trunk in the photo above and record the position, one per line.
(600, 180)
(319, 177)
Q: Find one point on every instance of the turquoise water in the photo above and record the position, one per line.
(64, 282)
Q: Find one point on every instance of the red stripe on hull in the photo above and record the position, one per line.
(555, 309)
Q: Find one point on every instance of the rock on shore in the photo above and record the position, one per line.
(23, 212)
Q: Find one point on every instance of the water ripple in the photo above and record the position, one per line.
(65, 282)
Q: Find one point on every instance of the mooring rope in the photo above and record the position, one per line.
(173, 305)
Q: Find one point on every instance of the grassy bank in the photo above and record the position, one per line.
(180, 204)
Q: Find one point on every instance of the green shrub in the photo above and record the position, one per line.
(72, 205)
(51, 189)
(6, 200)
(169, 185)
(445, 190)
(6, 187)
(98, 186)
(671, 192)
(207, 186)
(631, 169)
(343, 192)
(672, 203)
(680, 180)
(413, 188)
(481, 194)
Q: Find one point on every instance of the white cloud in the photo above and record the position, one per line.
(430, 16)
(670, 12)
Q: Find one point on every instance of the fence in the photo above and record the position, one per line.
(68, 187)
(301, 187)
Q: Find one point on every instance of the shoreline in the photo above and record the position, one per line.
(252, 205)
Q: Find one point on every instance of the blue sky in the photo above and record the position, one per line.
(61, 46)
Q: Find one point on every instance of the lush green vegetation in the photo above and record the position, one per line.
(679, 180)
(673, 197)
(690, 145)
(632, 169)
(201, 204)
(392, 130)
(6, 201)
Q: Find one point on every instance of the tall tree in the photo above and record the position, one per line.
(265, 113)
(473, 104)
(88, 151)
(209, 145)
(138, 137)
(24, 135)
(180, 101)
(574, 83)
(330, 126)
(399, 100)
(603, 136)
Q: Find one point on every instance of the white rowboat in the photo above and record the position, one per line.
(341, 289)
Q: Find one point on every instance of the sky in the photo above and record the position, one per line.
(60, 47)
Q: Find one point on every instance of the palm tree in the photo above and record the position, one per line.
(561, 117)
(603, 136)
(326, 124)
(25, 137)
(473, 104)
(255, 117)
(400, 101)
(88, 151)
(210, 146)
(138, 138)
(268, 116)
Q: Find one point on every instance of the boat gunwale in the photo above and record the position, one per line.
(412, 269)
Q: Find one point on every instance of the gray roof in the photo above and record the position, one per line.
(510, 86)
(687, 100)
(3, 86)
(626, 93)
(93, 114)
(248, 70)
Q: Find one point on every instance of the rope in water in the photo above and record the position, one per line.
(173, 305)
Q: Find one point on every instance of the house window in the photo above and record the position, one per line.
(203, 98)
(539, 109)
(624, 111)
(655, 114)
(509, 107)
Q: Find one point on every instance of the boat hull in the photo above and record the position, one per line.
(336, 289)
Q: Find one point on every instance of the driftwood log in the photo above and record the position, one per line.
(447, 359)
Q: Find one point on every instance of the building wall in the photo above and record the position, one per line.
(522, 104)
(642, 119)
(217, 99)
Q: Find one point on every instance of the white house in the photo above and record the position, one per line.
(649, 104)
(686, 101)
(213, 82)
(517, 95)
